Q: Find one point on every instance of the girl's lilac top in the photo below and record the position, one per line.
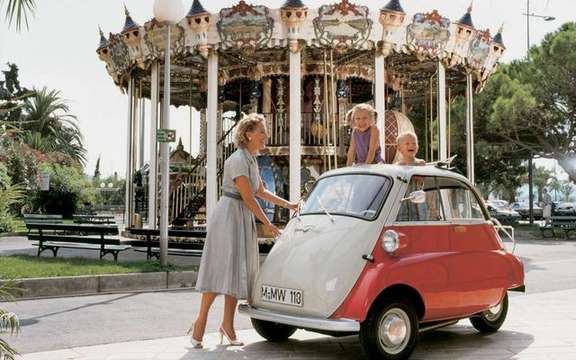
(362, 141)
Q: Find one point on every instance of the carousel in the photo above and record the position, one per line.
(303, 69)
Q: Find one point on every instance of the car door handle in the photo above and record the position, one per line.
(305, 229)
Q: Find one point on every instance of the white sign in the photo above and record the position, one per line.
(44, 181)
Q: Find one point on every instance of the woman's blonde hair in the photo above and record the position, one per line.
(364, 107)
(247, 124)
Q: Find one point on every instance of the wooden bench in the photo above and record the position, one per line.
(95, 237)
(94, 219)
(151, 244)
(563, 223)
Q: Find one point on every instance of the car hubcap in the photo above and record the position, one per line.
(493, 313)
(394, 330)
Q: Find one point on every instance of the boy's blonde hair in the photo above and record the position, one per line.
(405, 134)
(247, 124)
(364, 107)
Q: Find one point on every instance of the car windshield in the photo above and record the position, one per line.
(358, 195)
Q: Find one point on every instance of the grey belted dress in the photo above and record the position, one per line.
(230, 258)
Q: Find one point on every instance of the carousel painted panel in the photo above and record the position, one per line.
(245, 26)
(428, 35)
(343, 26)
(155, 39)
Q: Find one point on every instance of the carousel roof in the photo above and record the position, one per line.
(103, 40)
(498, 37)
(293, 4)
(394, 5)
(129, 24)
(341, 37)
(196, 8)
(466, 19)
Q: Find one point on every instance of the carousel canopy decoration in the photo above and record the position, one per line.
(253, 42)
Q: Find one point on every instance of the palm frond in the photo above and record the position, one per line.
(18, 12)
(7, 351)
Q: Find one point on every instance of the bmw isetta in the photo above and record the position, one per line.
(385, 251)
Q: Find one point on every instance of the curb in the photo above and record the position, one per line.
(36, 288)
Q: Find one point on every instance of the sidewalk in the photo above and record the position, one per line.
(539, 326)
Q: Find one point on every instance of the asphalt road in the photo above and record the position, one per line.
(51, 324)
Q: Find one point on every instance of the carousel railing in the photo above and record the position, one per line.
(316, 129)
(189, 189)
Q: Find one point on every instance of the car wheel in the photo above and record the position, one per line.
(272, 331)
(390, 331)
(492, 319)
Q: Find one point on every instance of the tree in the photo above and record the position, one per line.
(536, 107)
(540, 177)
(48, 127)
(18, 11)
(566, 190)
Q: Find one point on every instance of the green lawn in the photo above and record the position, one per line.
(23, 266)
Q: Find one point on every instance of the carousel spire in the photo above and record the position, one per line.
(129, 24)
(103, 40)
(467, 18)
(498, 37)
(293, 4)
(394, 5)
(196, 8)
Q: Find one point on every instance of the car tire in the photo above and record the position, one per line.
(272, 331)
(390, 331)
(491, 320)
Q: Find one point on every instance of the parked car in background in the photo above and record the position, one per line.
(565, 209)
(524, 210)
(500, 210)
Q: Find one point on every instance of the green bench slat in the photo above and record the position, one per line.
(84, 246)
(75, 239)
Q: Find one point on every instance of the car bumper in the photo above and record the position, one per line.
(336, 325)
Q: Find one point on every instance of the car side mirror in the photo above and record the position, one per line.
(416, 197)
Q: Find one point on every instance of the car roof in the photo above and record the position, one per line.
(396, 171)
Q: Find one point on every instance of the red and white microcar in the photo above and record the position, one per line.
(385, 251)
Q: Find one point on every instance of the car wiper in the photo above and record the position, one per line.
(325, 210)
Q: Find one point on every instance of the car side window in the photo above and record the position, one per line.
(459, 200)
(430, 210)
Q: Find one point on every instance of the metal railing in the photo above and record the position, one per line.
(316, 129)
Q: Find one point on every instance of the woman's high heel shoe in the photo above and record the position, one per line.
(223, 334)
(195, 343)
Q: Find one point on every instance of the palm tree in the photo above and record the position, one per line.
(9, 323)
(48, 127)
(18, 11)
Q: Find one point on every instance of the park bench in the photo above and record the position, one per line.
(94, 219)
(103, 238)
(151, 243)
(562, 223)
(196, 236)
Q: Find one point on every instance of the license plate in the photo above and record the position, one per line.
(280, 295)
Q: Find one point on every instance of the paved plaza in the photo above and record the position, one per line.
(151, 325)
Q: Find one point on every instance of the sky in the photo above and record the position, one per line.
(59, 52)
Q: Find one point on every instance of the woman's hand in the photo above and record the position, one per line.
(273, 229)
(291, 205)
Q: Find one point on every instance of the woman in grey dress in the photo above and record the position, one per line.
(230, 257)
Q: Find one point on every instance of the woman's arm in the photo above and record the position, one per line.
(351, 151)
(264, 194)
(374, 138)
(243, 185)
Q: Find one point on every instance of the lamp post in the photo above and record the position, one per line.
(168, 12)
(528, 15)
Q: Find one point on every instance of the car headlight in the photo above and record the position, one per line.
(390, 241)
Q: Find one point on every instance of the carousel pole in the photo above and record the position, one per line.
(295, 122)
(380, 100)
(470, 129)
(142, 129)
(153, 174)
(211, 138)
(167, 12)
(442, 144)
(129, 199)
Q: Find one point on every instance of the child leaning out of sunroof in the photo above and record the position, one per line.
(408, 147)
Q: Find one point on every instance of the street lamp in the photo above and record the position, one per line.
(528, 15)
(168, 12)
